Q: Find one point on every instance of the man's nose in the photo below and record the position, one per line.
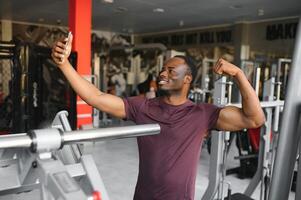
(163, 74)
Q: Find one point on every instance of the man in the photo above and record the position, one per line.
(168, 161)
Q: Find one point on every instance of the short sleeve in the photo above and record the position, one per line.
(132, 107)
(212, 113)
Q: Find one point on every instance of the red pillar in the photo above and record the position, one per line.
(80, 15)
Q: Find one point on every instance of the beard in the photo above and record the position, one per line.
(167, 91)
(162, 93)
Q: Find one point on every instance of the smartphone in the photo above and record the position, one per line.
(68, 38)
(68, 41)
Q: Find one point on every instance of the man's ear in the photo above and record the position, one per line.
(188, 78)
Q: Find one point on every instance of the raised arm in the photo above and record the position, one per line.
(88, 92)
(250, 115)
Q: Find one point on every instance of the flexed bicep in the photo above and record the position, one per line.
(232, 118)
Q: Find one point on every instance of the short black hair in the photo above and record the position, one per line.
(191, 64)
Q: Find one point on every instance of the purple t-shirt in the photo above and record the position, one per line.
(168, 161)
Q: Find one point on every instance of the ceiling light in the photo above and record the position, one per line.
(181, 23)
(260, 12)
(129, 30)
(158, 10)
(236, 6)
(108, 1)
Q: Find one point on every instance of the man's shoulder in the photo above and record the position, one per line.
(142, 100)
(200, 105)
(206, 107)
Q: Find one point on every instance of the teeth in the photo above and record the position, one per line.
(162, 82)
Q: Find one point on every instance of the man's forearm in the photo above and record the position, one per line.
(250, 102)
(81, 86)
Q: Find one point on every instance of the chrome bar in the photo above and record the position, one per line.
(263, 104)
(111, 133)
(15, 141)
(23, 140)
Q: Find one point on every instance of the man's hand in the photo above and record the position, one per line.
(61, 51)
(223, 67)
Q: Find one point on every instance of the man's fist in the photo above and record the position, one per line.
(223, 67)
(61, 50)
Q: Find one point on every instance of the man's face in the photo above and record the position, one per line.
(171, 77)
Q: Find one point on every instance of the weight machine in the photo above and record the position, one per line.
(219, 141)
(217, 168)
(287, 148)
(267, 145)
(39, 160)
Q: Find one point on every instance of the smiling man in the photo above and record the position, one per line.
(168, 161)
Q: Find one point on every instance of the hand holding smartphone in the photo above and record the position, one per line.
(67, 44)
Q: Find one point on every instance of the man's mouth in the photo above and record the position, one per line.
(162, 82)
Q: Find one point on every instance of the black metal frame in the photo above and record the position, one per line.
(27, 84)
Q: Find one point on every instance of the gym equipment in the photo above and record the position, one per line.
(197, 95)
(289, 137)
(203, 83)
(283, 67)
(38, 89)
(22, 170)
(252, 71)
(206, 72)
(247, 142)
(262, 69)
(141, 62)
(6, 50)
(249, 163)
(219, 142)
(99, 71)
(93, 79)
(267, 147)
(208, 78)
(6, 54)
